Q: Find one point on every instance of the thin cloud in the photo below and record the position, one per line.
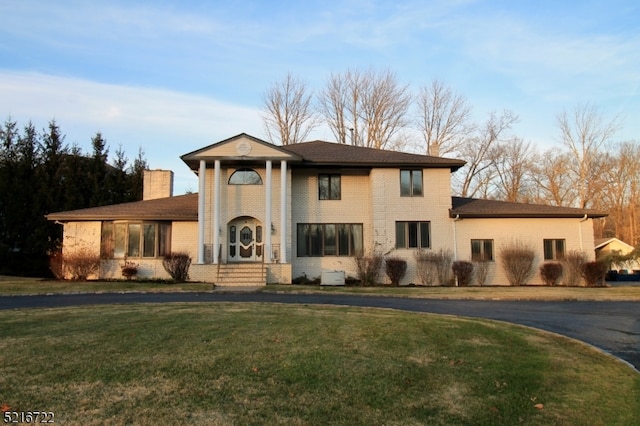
(162, 123)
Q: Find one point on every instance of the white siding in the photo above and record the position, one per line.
(577, 233)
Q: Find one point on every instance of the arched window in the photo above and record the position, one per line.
(245, 177)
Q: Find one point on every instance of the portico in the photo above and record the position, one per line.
(243, 202)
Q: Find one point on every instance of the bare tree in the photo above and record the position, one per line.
(339, 104)
(365, 109)
(512, 162)
(550, 181)
(585, 133)
(475, 177)
(288, 114)
(384, 106)
(621, 194)
(444, 118)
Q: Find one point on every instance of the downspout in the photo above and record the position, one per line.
(455, 241)
(455, 238)
(584, 219)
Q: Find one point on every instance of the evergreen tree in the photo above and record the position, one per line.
(39, 175)
(98, 171)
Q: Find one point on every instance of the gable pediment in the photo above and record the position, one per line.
(242, 148)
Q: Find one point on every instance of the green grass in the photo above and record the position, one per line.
(279, 364)
(19, 285)
(614, 293)
(14, 285)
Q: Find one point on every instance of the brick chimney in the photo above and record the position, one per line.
(157, 184)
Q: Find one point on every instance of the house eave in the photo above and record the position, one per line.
(457, 215)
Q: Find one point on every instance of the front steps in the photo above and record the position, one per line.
(241, 275)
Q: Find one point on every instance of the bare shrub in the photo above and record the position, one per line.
(129, 269)
(594, 273)
(463, 271)
(434, 267)
(425, 268)
(177, 265)
(368, 268)
(81, 264)
(395, 268)
(551, 272)
(56, 265)
(517, 259)
(481, 271)
(573, 262)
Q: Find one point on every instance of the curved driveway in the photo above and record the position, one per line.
(611, 326)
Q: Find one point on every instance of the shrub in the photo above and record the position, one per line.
(129, 269)
(551, 272)
(56, 265)
(594, 273)
(463, 271)
(368, 268)
(481, 271)
(573, 262)
(81, 264)
(395, 268)
(433, 267)
(517, 259)
(177, 265)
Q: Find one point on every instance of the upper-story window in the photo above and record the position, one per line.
(329, 187)
(245, 177)
(411, 183)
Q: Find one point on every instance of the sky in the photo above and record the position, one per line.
(171, 77)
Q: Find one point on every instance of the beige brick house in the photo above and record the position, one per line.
(266, 213)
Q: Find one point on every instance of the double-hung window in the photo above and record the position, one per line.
(554, 249)
(482, 250)
(413, 235)
(411, 183)
(329, 187)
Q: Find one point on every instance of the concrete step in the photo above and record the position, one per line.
(241, 274)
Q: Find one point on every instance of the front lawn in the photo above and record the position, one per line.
(15, 285)
(275, 364)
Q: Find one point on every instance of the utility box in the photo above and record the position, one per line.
(332, 278)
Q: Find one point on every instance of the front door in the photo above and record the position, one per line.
(245, 240)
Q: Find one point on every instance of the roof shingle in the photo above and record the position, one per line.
(179, 208)
(329, 153)
(479, 208)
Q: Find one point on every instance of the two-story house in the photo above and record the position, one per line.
(267, 213)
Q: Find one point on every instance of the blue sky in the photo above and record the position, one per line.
(170, 77)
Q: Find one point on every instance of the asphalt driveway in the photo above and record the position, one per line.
(611, 326)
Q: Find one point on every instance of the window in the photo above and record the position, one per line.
(411, 183)
(135, 239)
(553, 249)
(482, 250)
(245, 177)
(329, 239)
(413, 234)
(329, 187)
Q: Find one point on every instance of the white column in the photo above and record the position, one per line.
(216, 212)
(283, 211)
(267, 216)
(201, 201)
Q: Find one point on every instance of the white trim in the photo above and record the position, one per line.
(216, 212)
(283, 211)
(267, 216)
(201, 203)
